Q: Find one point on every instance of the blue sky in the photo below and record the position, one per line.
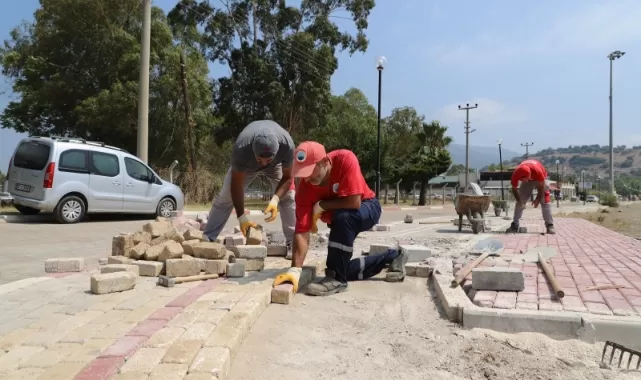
(538, 70)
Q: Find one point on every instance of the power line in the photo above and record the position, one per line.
(527, 150)
(467, 109)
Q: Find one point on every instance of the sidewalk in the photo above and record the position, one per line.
(588, 255)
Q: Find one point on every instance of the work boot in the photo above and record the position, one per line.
(327, 286)
(514, 229)
(550, 229)
(289, 250)
(396, 271)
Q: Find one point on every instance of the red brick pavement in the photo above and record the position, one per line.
(588, 255)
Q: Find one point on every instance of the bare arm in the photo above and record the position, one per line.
(540, 190)
(238, 192)
(299, 249)
(349, 202)
(285, 182)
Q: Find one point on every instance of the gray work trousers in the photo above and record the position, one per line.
(223, 206)
(525, 191)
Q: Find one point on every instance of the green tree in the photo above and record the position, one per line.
(280, 57)
(399, 132)
(75, 72)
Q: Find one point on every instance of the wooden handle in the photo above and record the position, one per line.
(462, 273)
(548, 272)
(198, 277)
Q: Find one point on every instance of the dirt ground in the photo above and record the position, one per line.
(395, 331)
(625, 219)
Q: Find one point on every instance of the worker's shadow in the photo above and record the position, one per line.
(255, 276)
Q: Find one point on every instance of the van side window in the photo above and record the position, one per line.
(74, 161)
(104, 164)
(138, 171)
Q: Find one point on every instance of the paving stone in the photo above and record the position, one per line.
(174, 234)
(182, 352)
(377, 249)
(527, 305)
(62, 371)
(144, 360)
(12, 359)
(255, 236)
(121, 244)
(193, 234)
(550, 305)
(141, 237)
(169, 371)
(236, 269)
(149, 268)
(209, 250)
(118, 260)
(505, 300)
(102, 261)
(165, 337)
(283, 294)
(249, 252)
(216, 266)
(212, 360)
(113, 268)
(213, 316)
(24, 373)
(184, 319)
(254, 265)
(88, 351)
(230, 332)
(47, 358)
(171, 250)
(418, 270)
(112, 282)
(114, 330)
(233, 240)
(131, 376)
(137, 252)
(498, 278)
(188, 246)
(382, 227)
(156, 229)
(182, 267)
(82, 333)
(15, 338)
(198, 331)
(573, 303)
(64, 265)
(485, 298)
(598, 308)
(147, 327)
(416, 253)
(276, 250)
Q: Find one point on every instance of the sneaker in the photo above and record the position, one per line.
(514, 229)
(289, 250)
(327, 286)
(396, 271)
(550, 229)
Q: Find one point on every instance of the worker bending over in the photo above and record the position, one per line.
(532, 175)
(332, 189)
(262, 147)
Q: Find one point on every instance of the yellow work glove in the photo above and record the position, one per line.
(272, 208)
(245, 224)
(292, 276)
(317, 211)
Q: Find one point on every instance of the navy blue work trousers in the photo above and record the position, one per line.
(345, 226)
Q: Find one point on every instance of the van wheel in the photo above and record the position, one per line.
(70, 209)
(24, 210)
(165, 207)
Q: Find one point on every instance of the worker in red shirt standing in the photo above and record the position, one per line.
(332, 189)
(532, 175)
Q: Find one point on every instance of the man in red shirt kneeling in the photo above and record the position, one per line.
(332, 189)
(532, 175)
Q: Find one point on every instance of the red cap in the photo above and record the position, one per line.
(306, 156)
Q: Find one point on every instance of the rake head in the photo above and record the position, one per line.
(632, 354)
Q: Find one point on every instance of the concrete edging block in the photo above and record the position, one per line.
(453, 300)
(623, 330)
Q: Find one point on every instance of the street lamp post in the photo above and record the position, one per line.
(380, 64)
(612, 56)
(585, 195)
(558, 184)
(501, 168)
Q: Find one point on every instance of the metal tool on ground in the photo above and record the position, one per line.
(550, 275)
(623, 350)
(169, 282)
(464, 272)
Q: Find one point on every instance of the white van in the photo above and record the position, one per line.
(74, 177)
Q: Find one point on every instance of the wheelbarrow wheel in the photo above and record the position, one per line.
(477, 226)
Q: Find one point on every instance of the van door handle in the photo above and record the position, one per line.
(116, 183)
(129, 184)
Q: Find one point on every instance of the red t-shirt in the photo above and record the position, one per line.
(537, 172)
(345, 179)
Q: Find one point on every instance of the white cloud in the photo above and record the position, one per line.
(599, 28)
(489, 113)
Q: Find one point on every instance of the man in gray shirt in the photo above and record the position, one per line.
(262, 147)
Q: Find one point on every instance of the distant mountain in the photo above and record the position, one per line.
(480, 156)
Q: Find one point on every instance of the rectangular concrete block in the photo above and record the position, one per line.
(171, 250)
(182, 267)
(254, 265)
(276, 250)
(65, 264)
(283, 294)
(249, 251)
(236, 269)
(216, 266)
(141, 237)
(156, 229)
(498, 278)
(121, 244)
(188, 246)
(149, 268)
(112, 282)
(234, 240)
(255, 236)
(382, 227)
(208, 250)
(193, 234)
(153, 252)
(418, 270)
(112, 268)
(417, 253)
(118, 260)
(137, 252)
(377, 249)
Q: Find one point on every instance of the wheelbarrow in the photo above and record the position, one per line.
(473, 207)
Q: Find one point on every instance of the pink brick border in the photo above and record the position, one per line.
(106, 365)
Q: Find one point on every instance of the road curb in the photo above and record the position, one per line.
(589, 328)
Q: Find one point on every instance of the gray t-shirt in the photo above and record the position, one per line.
(243, 158)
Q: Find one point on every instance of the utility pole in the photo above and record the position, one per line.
(143, 91)
(190, 121)
(612, 56)
(527, 150)
(467, 109)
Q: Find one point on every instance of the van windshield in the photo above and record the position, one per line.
(32, 155)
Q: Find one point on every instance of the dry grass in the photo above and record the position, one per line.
(625, 219)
